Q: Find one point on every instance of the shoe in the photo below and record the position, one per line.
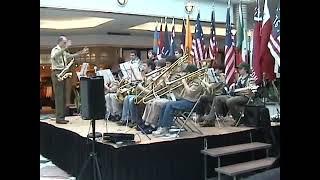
(111, 118)
(150, 130)
(117, 118)
(131, 124)
(207, 123)
(161, 131)
(200, 119)
(62, 122)
(121, 123)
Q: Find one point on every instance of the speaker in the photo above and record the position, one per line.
(92, 98)
(256, 116)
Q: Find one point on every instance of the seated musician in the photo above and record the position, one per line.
(129, 111)
(212, 89)
(189, 95)
(152, 110)
(233, 102)
(178, 53)
(113, 106)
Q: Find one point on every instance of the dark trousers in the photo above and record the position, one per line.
(224, 103)
(203, 106)
(59, 89)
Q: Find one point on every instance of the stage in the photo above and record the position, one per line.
(159, 158)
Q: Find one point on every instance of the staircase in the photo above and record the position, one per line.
(240, 168)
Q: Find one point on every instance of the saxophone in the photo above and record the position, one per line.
(64, 74)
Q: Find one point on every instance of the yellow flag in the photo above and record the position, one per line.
(188, 40)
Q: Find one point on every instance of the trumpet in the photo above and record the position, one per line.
(64, 74)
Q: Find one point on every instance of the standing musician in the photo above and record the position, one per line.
(189, 96)
(59, 61)
(233, 102)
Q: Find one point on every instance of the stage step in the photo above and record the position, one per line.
(241, 168)
(234, 149)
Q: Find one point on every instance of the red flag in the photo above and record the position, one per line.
(256, 44)
(266, 59)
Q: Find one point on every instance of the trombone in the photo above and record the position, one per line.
(175, 84)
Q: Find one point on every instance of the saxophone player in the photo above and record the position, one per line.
(233, 102)
(59, 60)
(213, 89)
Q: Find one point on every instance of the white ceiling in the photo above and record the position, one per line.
(122, 22)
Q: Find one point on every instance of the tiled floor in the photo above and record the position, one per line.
(49, 171)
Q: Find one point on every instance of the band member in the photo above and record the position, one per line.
(59, 60)
(153, 108)
(152, 55)
(234, 101)
(212, 90)
(129, 99)
(190, 95)
(134, 59)
(178, 53)
(113, 106)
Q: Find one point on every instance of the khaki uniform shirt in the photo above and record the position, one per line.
(59, 58)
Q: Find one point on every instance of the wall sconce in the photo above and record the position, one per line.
(122, 2)
(189, 6)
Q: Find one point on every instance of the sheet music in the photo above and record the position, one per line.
(83, 71)
(137, 76)
(125, 68)
(131, 71)
(107, 75)
(212, 76)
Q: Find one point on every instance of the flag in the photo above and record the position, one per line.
(229, 50)
(161, 39)
(267, 61)
(198, 43)
(183, 35)
(213, 46)
(274, 42)
(242, 49)
(166, 44)
(155, 39)
(256, 43)
(172, 39)
(188, 40)
(253, 75)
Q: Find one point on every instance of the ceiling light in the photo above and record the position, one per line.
(122, 2)
(189, 7)
(149, 26)
(74, 23)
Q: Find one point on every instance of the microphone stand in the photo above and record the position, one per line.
(264, 88)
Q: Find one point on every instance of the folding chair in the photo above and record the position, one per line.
(185, 117)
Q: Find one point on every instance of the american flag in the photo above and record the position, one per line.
(274, 43)
(198, 43)
(253, 75)
(213, 48)
(229, 50)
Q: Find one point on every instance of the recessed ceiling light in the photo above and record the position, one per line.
(75, 23)
(149, 26)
